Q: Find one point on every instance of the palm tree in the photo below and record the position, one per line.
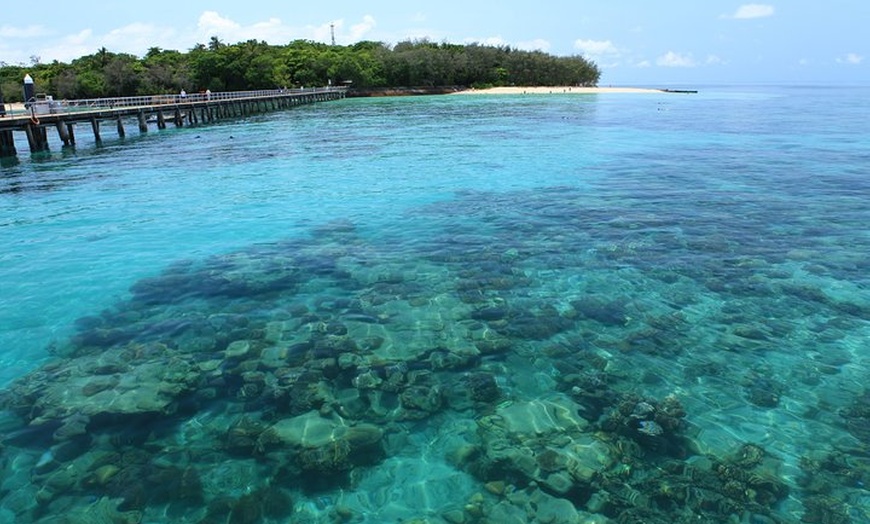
(215, 43)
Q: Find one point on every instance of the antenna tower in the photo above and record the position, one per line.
(332, 32)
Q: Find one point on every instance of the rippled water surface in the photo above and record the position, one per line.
(549, 308)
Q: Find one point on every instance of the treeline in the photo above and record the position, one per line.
(257, 65)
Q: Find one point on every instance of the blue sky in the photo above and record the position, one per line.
(634, 42)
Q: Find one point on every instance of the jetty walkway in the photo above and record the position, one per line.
(179, 110)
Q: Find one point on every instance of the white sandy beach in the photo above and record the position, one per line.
(555, 90)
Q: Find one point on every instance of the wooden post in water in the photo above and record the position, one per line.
(7, 144)
(37, 137)
(31, 138)
(63, 132)
(199, 111)
(95, 125)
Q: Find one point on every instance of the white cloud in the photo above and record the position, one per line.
(713, 60)
(70, 47)
(749, 11)
(538, 44)
(137, 38)
(134, 38)
(212, 22)
(602, 52)
(323, 33)
(595, 48)
(672, 59)
(358, 31)
(31, 31)
(275, 31)
(270, 30)
(851, 59)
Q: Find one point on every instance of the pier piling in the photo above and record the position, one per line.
(95, 125)
(196, 109)
(63, 132)
(7, 144)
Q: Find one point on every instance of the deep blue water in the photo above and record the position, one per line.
(468, 308)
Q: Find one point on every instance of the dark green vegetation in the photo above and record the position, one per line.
(258, 65)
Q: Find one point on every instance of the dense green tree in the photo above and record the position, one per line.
(123, 74)
(253, 64)
(165, 72)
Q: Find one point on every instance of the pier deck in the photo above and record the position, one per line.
(178, 110)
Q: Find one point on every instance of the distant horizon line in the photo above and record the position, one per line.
(659, 84)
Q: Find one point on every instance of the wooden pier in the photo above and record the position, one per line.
(178, 110)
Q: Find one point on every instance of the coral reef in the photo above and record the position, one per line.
(542, 370)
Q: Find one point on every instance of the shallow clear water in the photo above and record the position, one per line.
(466, 308)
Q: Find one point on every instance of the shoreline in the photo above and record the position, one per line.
(553, 90)
(18, 107)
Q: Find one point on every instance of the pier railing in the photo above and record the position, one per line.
(56, 107)
(43, 112)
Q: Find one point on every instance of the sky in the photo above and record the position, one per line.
(634, 42)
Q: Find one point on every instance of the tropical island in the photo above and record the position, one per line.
(367, 67)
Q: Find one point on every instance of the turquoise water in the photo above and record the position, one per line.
(565, 308)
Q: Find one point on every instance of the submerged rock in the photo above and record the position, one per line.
(103, 511)
(482, 387)
(324, 444)
(656, 426)
(540, 441)
(603, 311)
(586, 457)
(238, 349)
(538, 418)
(67, 392)
(424, 399)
